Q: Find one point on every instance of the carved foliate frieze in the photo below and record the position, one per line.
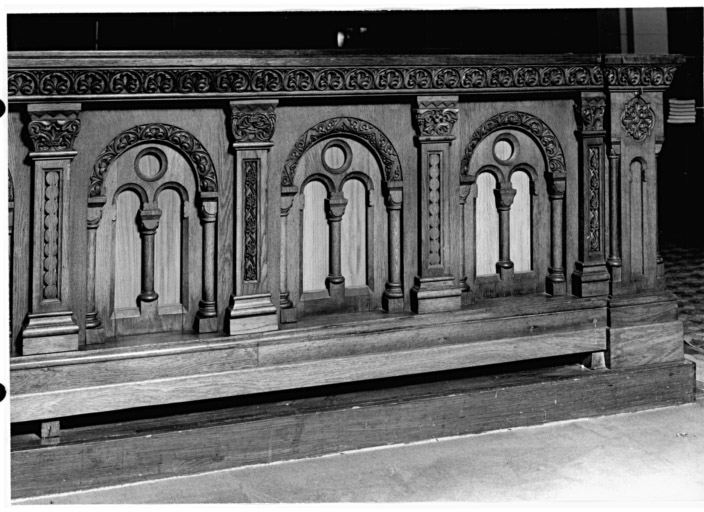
(594, 198)
(251, 205)
(352, 127)
(436, 117)
(637, 118)
(590, 113)
(311, 79)
(173, 136)
(53, 130)
(527, 123)
(645, 75)
(253, 122)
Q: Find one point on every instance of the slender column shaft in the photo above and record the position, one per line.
(464, 193)
(556, 281)
(284, 295)
(335, 209)
(208, 217)
(149, 224)
(504, 199)
(394, 289)
(92, 318)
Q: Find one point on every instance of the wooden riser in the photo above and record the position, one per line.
(93, 456)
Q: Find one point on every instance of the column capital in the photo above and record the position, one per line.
(253, 120)
(589, 111)
(435, 116)
(335, 207)
(53, 127)
(149, 218)
(394, 199)
(504, 196)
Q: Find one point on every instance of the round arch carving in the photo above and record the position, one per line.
(528, 124)
(159, 133)
(363, 131)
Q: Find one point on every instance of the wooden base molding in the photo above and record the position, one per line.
(250, 314)
(435, 294)
(86, 457)
(49, 332)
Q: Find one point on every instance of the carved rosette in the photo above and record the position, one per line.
(251, 177)
(53, 130)
(590, 113)
(253, 122)
(637, 118)
(594, 192)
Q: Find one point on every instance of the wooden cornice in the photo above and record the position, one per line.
(85, 76)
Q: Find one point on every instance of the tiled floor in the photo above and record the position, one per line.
(684, 271)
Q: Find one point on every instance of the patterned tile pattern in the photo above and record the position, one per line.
(684, 271)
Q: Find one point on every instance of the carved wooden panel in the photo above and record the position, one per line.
(487, 225)
(521, 220)
(315, 237)
(170, 238)
(127, 250)
(354, 234)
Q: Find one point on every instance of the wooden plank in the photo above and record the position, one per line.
(646, 344)
(317, 426)
(113, 397)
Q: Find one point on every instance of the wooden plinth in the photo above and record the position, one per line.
(129, 451)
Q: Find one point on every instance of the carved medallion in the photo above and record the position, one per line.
(637, 118)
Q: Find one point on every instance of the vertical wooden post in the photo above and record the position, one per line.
(149, 222)
(95, 333)
(251, 309)
(504, 194)
(464, 285)
(50, 326)
(614, 260)
(556, 283)
(659, 262)
(10, 245)
(591, 277)
(334, 210)
(207, 315)
(392, 299)
(288, 313)
(435, 288)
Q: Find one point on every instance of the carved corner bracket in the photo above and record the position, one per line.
(590, 113)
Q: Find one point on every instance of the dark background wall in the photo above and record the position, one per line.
(660, 30)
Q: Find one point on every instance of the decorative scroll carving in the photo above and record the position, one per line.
(146, 81)
(528, 123)
(350, 126)
(253, 122)
(641, 75)
(434, 209)
(436, 118)
(172, 136)
(637, 118)
(52, 203)
(594, 192)
(251, 194)
(590, 113)
(53, 131)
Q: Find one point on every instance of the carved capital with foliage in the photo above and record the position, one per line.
(53, 127)
(253, 121)
(590, 113)
(436, 115)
